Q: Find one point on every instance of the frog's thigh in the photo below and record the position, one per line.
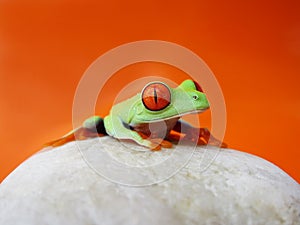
(92, 122)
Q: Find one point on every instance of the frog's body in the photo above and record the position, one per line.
(149, 117)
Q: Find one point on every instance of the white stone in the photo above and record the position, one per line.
(101, 181)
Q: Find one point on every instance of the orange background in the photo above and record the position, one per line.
(252, 47)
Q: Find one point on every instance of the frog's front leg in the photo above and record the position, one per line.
(116, 128)
(201, 135)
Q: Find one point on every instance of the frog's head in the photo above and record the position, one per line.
(160, 102)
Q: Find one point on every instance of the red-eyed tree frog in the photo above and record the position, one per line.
(150, 118)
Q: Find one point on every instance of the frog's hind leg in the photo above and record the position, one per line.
(201, 136)
(92, 127)
(57, 142)
(95, 124)
(210, 139)
(79, 134)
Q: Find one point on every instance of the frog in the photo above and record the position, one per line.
(151, 118)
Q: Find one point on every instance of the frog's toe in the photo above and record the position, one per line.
(201, 142)
(155, 148)
(162, 143)
(151, 145)
(218, 143)
(166, 144)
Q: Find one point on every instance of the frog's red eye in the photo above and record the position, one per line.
(156, 96)
(198, 87)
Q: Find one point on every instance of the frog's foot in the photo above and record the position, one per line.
(155, 144)
(175, 137)
(208, 138)
(191, 137)
(202, 136)
(159, 142)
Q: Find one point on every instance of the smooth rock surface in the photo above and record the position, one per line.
(101, 181)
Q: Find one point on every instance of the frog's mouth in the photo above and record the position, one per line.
(177, 116)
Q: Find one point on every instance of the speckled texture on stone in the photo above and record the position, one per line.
(58, 187)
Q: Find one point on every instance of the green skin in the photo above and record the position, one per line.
(130, 118)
